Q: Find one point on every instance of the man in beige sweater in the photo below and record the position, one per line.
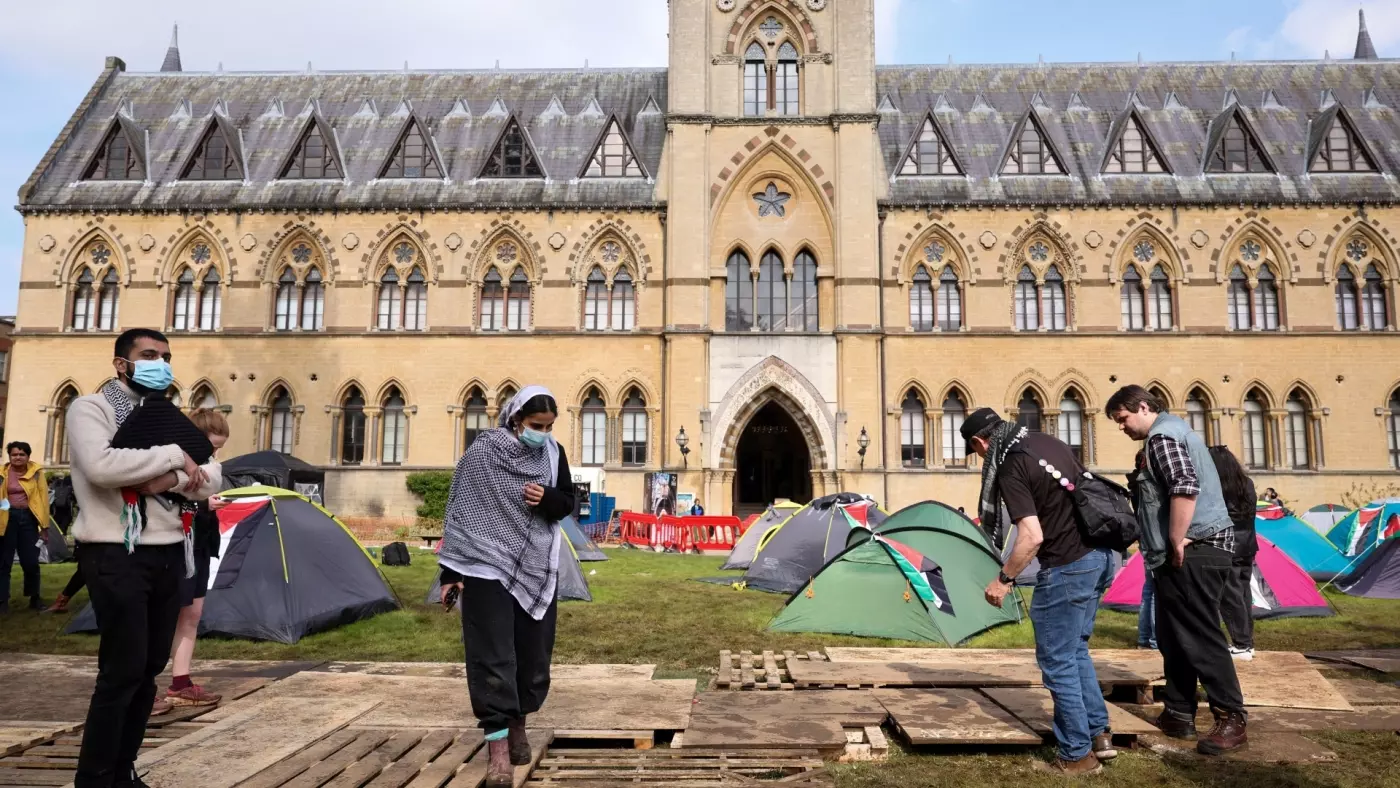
(133, 578)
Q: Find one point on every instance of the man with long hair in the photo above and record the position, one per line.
(1188, 545)
(1237, 606)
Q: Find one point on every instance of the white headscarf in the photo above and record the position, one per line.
(551, 446)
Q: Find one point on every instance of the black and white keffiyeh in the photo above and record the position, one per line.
(1003, 437)
(488, 522)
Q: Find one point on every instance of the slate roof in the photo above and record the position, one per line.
(169, 112)
(1078, 105)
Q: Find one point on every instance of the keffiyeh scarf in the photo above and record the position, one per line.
(488, 522)
(1003, 437)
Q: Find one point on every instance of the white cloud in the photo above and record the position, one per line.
(886, 30)
(1313, 27)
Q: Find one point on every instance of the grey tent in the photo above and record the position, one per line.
(793, 552)
(56, 549)
(286, 569)
(584, 548)
(747, 546)
(1377, 575)
(572, 585)
(276, 469)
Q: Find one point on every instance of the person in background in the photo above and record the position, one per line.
(1187, 542)
(500, 550)
(1237, 604)
(696, 509)
(24, 515)
(183, 691)
(1271, 495)
(1028, 470)
(1147, 609)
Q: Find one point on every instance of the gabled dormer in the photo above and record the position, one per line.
(1030, 151)
(218, 156)
(613, 155)
(1131, 148)
(929, 152)
(122, 154)
(513, 155)
(1334, 145)
(314, 155)
(413, 155)
(1233, 146)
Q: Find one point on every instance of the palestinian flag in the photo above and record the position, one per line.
(924, 575)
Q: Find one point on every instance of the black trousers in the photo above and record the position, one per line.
(22, 537)
(1188, 631)
(136, 598)
(1237, 604)
(508, 653)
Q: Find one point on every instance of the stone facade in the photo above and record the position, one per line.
(848, 369)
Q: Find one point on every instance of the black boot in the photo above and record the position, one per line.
(1177, 725)
(519, 743)
(36, 604)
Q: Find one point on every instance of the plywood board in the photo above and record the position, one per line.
(912, 674)
(1114, 666)
(1034, 707)
(952, 716)
(456, 670)
(1363, 692)
(1367, 718)
(1385, 660)
(228, 752)
(855, 708)
(743, 731)
(14, 738)
(622, 704)
(1286, 679)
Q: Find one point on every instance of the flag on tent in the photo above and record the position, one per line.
(1367, 527)
(924, 576)
(790, 553)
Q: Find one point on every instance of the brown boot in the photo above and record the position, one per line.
(1080, 768)
(1228, 734)
(499, 772)
(519, 743)
(1177, 725)
(60, 605)
(1103, 748)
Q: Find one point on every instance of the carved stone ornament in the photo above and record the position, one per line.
(1306, 238)
(147, 243)
(47, 243)
(988, 239)
(453, 241)
(1092, 239)
(816, 5)
(556, 241)
(247, 242)
(1199, 238)
(350, 241)
(725, 5)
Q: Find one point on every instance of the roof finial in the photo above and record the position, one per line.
(172, 54)
(1365, 50)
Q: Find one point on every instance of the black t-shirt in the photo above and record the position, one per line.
(1030, 491)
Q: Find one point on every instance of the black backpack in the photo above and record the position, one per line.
(1103, 508)
(395, 554)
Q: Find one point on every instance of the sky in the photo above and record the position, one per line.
(51, 52)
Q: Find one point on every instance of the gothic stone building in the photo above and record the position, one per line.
(812, 266)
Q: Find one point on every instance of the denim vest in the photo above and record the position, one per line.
(1154, 503)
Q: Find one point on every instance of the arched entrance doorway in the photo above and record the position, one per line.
(772, 461)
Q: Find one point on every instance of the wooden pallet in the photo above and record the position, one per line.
(53, 760)
(673, 767)
(766, 670)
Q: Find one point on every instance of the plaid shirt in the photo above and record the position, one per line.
(1171, 463)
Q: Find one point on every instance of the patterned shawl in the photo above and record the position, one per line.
(1003, 437)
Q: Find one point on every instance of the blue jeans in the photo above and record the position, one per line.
(1063, 609)
(1147, 613)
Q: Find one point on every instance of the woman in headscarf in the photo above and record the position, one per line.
(500, 549)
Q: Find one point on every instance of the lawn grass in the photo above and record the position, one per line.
(648, 609)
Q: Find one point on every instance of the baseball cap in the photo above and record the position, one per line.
(979, 420)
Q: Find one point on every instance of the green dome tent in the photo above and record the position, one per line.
(918, 576)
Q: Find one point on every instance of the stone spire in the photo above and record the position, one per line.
(1365, 50)
(172, 55)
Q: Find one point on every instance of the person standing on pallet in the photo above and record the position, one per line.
(500, 551)
(1188, 544)
(1025, 470)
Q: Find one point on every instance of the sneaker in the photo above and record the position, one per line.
(1176, 724)
(1081, 768)
(160, 707)
(1228, 734)
(193, 695)
(1103, 747)
(1242, 654)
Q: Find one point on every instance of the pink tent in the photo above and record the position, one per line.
(1281, 588)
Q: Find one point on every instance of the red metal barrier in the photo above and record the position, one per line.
(680, 534)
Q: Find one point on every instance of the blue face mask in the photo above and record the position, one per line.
(533, 438)
(152, 374)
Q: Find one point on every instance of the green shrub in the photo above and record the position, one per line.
(432, 487)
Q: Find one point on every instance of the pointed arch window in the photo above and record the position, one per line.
(84, 301)
(211, 302)
(1341, 150)
(185, 313)
(1159, 300)
(1198, 414)
(634, 429)
(595, 428)
(755, 81)
(595, 301)
(1027, 301)
(518, 301)
(393, 437)
(785, 92)
(352, 427)
(1132, 299)
(286, 302)
(214, 159)
(1348, 299)
(802, 294)
(313, 301)
(204, 398)
(921, 309)
(476, 420)
(1133, 151)
(513, 156)
(1030, 153)
(930, 154)
(415, 301)
(390, 306)
(493, 301)
(954, 413)
(1028, 411)
(413, 156)
(1070, 423)
(613, 158)
(1266, 300)
(1254, 430)
(1392, 429)
(1373, 306)
(313, 157)
(57, 448)
(1054, 306)
(913, 450)
(281, 430)
(624, 302)
(771, 303)
(1237, 300)
(1237, 150)
(107, 301)
(738, 293)
(117, 159)
(949, 300)
(1297, 431)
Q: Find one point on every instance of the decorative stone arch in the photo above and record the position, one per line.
(119, 255)
(1173, 253)
(262, 412)
(56, 398)
(1076, 384)
(1269, 235)
(1166, 392)
(377, 253)
(266, 398)
(919, 388)
(805, 37)
(202, 384)
(610, 253)
(495, 402)
(773, 380)
(466, 390)
(741, 245)
(1212, 398)
(271, 261)
(1380, 248)
(1298, 384)
(172, 253)
(1271, 403)
(958, 385)
(581, 392)
(653, 403)
(344, 391)
(55, 420)
(948, 229)
(1031, 379)
(935, 248)
(739, 164)
(593, 234)
(1064, 251)
(482, 254)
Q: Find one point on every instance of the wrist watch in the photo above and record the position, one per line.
(1004, 580)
